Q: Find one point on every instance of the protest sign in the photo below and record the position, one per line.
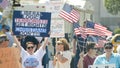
(102, 66)
(55, 8)
(57, 28)
(31, 23)
(9, 58)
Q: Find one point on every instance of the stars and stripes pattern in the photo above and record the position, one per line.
(99, 29)
(4, 3)
(78, 30)
(69, 13)
(101, 43)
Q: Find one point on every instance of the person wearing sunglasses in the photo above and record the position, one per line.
(4, 42)
(63, 56)
(88, 58)
(108, 57)
(32, 56)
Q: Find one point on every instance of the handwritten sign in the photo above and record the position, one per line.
(102, 66)
(54, 7)
(57, 28)
(9, 58)
(31, 23)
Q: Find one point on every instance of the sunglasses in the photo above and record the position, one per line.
(30, 47)
(108, 47)
(94, 48)
(2, 39)
(59, 43)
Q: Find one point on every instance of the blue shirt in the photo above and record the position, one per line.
(114, 59)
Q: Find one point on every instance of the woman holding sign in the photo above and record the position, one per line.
(63, 56)
(31, 57)
(108, 57)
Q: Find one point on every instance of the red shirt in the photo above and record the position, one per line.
(88, 61)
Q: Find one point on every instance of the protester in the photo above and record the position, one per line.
(108, 57)
(63, 55)
(6, 30)
(77, 48)
(46, 58)
(89, 57)
(31, 57)
(118, 49)
(4, 42)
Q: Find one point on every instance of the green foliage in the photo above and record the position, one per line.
(117, 31)
(1, 10)
(113, 6)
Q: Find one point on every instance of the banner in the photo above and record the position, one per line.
(31, 23)
(102, 66)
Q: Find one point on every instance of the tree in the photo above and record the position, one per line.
(117, 31)
(113, 6)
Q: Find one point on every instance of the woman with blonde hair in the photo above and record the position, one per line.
(63, 55)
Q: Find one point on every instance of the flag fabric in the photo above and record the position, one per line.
(69, 13)
(89, 24)
(90, 31)
(78, 30)
(4, 3)
(99, 29)
(99, 32)
(101, 43)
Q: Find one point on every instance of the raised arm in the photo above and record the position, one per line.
(17, 42)
(74, 46)
(45, 43)
(80, 62)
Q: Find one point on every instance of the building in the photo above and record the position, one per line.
(101, 15)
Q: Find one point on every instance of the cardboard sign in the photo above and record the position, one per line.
(57, 28)
(31, 23)
(9, 58)
(102, 66)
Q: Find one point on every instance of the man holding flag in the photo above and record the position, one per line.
(78, 38)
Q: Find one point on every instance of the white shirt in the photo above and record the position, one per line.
(32, 61)
(68, 55)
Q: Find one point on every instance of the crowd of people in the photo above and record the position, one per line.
(34, 52)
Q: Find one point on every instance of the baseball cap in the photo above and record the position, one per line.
(7, 27)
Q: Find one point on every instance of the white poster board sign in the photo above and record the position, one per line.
(102, 66)
(57, 28)
(54, 7)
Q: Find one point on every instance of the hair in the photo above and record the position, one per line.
(90, 45)
(31, 39)
(108, 43)
(6, 27)
(65, 43)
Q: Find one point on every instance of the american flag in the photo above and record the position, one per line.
(78, 30)
(103, 30)
(90, 31)
(99, 29)
(76, 27)
(101, 43)
(69, 13)
(4, 3)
